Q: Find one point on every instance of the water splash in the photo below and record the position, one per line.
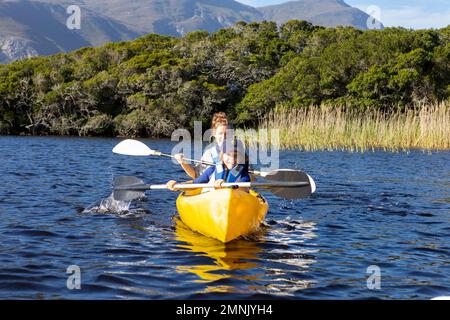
(110, 205)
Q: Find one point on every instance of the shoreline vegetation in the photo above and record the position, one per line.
(297, 77)
(330, 128)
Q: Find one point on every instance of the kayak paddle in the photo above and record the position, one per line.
(130, 188)
(293, 175)
(132, 147)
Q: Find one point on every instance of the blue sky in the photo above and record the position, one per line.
(415, 14)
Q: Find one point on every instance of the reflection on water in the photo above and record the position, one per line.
(240, 260)
(237, 255)
(287, 258)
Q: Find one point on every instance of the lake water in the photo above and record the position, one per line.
(389, 210)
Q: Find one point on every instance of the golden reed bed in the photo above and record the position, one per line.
(330, 128)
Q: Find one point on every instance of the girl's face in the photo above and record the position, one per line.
(229, 160)
(232, 159)
(220, 134)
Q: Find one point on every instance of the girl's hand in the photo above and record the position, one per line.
(170, 185)
(179, 157)
(218, 183)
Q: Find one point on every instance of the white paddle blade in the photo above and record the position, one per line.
(131, 147)
(312, 183)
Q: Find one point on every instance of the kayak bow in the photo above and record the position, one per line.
(223, 214)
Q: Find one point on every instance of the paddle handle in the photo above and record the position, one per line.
(206, 163)
(210, 186)
(136, 148)
(244, 185)
(157, 153)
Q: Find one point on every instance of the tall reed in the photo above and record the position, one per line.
(331, 128)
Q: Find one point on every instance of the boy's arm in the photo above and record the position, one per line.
(189, 170)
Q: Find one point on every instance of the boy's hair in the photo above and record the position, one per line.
(219, 119)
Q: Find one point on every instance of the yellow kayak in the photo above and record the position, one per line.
(223, 214)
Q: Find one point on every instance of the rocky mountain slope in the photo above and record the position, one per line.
(38, 27)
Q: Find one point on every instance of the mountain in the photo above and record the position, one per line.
(171, 17)
(38, 27)
(327, 13)
(30, 28)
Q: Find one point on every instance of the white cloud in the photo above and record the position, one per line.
(261, 3)
(416, 18)
(419, 14)
(249, 2)
(411, 17)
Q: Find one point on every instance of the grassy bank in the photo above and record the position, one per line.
(327, 128)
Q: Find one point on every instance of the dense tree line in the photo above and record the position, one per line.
(155, 84)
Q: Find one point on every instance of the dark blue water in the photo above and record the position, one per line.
(391, 210)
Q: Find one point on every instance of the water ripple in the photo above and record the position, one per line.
(384, 209)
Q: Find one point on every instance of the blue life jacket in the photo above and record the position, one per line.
(233, 175)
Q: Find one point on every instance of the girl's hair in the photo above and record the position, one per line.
(238, 156)
(219, 119)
